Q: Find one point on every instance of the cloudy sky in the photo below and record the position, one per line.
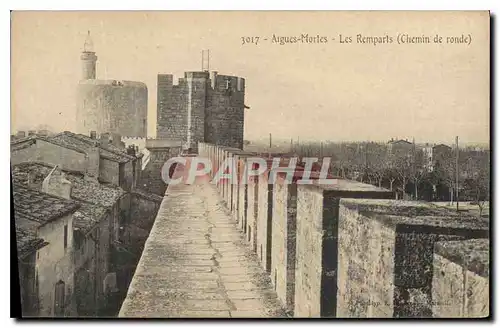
(328, 91)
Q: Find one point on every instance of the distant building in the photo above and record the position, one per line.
(109, 105)
(395, 147)
(434, 154)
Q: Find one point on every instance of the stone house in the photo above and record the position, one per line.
(102, 227)
(105, 159)
(44, 220)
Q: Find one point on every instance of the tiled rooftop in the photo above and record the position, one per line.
(87, 216)
(90, 191)
(77, 142)
(22, 143)
(85, 144)
(41, 207)
(93, 197)
(27, 242)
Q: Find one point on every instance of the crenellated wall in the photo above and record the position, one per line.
(200, 108)
(350, 250)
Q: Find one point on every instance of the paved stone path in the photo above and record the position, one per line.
(196, 263)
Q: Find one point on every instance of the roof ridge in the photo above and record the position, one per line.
(20, 186)
(101, 145)
(21, 140)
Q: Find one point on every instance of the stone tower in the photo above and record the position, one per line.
(89, 59)
(201, 107)
(109, 106)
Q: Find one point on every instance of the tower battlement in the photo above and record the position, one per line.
(202, 106)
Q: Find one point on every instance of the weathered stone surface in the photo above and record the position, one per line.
(317, 256)
(201, 108)
(460, 284)
(104, 106)
(386, 251)
(194, 265)
(284, 242)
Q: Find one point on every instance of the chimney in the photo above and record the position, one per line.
(31, 133)
(32, 180)
(21, 134)
(93, 135)
(57, 184)
(43, 132)
(105, 138)
(116, 140)
(131, 150)
(93, 158)
(213, 77)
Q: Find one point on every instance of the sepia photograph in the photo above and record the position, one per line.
(250, 164)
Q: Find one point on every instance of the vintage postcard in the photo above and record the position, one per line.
(251, 164)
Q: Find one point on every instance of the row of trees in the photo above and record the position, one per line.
(410, 171)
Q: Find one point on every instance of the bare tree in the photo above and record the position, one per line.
(402, 167)
(378, 162)
(418, 171)
(477, 182)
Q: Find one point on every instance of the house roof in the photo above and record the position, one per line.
(87, 216)
(400, 141)
(441, 146)
(40, 207)
(92, 197)
(85, 144)
(76, 142)
(27, 242)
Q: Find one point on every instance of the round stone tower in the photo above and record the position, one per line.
(109, 106)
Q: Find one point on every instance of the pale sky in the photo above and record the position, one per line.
(326, 91)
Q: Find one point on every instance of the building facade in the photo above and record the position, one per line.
(78, 263)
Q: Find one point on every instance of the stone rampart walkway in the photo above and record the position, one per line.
(196, 263)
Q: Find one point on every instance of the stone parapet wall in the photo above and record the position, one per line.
(350, 250)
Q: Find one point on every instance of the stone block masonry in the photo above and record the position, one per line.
(201, 108)
(283, 243)
(350, 250)
(196, 264)
(252, 211)
(385, 256)
(460, 280)
(112, 106)
(317, 244)
(264, 219)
